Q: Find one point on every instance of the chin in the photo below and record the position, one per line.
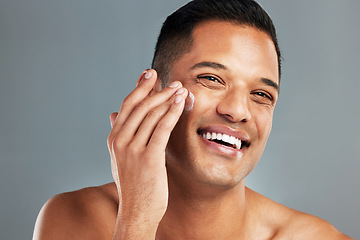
(200, 163)
(220, 178)
(212, 176)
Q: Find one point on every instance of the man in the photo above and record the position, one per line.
(185, 139)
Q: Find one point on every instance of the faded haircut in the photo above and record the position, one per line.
(175, 38)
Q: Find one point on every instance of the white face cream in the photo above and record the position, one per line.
(189, 102)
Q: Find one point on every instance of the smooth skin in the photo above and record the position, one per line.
(170, 183)
(141, 130)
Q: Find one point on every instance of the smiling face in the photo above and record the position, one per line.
(232, 71)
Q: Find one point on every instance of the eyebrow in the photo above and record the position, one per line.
(209, 64)
(271, 83)
(216, 65)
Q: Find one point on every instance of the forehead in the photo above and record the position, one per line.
(242, 49)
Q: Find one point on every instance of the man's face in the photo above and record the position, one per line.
(232, 71)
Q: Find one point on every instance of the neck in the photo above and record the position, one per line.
(205, 214)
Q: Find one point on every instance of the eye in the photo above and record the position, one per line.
(210, 78)
(265, 95)
(210, 81)
(262, 97)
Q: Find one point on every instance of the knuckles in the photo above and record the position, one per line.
(141, 105)
(155, 113)
(133, 149)
(164, 126)
(118, 143)
(122, 147)
(126, 101)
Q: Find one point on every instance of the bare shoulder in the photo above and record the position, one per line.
(89, 213)
(306, 226)
(283, 222)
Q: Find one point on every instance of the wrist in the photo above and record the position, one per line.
(135, 227)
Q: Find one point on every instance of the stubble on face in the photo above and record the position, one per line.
(227, 70)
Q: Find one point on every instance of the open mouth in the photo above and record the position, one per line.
(223, 139)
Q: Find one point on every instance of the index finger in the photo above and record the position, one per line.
(144, 87)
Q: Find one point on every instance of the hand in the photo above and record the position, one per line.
(137, 142)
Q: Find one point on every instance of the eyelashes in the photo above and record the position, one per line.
(263, 98)
(210, 78)
(263, 95)
(210, 81)
(260, 96)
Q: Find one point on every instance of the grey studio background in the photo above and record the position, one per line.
(65, 65)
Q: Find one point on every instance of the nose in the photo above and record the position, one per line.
(234, 106)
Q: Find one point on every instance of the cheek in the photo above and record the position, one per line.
(202, 98)
(264, 123)
(197, 107)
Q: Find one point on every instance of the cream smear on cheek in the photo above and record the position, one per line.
(189, 102)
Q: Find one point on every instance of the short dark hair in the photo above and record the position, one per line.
(175, 38)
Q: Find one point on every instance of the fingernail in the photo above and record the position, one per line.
(178, 99)
(180, 91)
(148, 75)
(174, 84)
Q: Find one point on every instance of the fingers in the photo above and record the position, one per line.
(113, 118)
(128, 128)
(152, 119)
(144, 86)
(144, 117)
(163, 129)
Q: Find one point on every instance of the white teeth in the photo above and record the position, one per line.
(213, 136)
(223, 137)
(238, 144)
(208, 136)
(232, 140)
